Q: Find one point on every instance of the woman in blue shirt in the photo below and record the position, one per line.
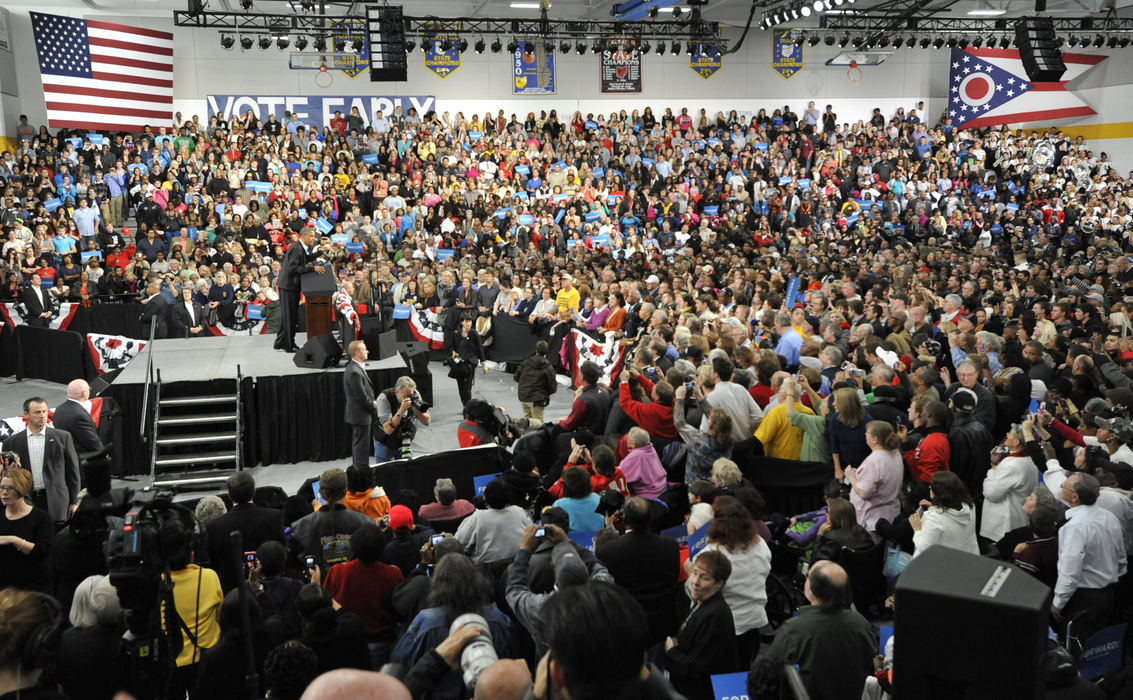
(846, 428)
(579, 501)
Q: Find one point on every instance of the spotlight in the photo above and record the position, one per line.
(265, 42)
(977, 42)
(445, 45)
(818, 6)
(660, 48)
(245, 42)
(794, 13)
(227, 41)
(357, 45)
(925, 41)
(564, 47)
(962, 43)
(1123, 42)
(646, 47)
(480, 45)
(339, 45)
(676, 48)
(462, 45)
(321, 44)
(282, 42)
(828, 39)
(301, 43)
(937, 42)
(549, 46)
(677, 12)
(246, 4)
(843, 40)
(580, 48)
(1098, 41)
(1005, 41)
(512, 46)
(814, 39)
(991, 42)
(653, 11)
(1111, 43)
(410, 45)
(857, 42)
(497, 46)
(951, 42)
(596, 47)
(805, 10)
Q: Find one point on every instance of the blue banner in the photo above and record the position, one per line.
(402, 311)
(355, 247)
(323, 226)
(481, 482)
(52, 204)
(340, 239)
(95, 139)
(88, 255)
(441, 61)
(705, 59)
(583, 539)
(533, 69)
(589, 125)
(315, 111)
(526, 219)
(475, 135)
(445, 253)
(792, 291)
(603, 239)
(1102, 653)
(678, 533)
(698, 540)
(786, 51)
(729, 686)
(711, 211)
(523, 169)
(259, 185)
(592, 216)
(370, 158)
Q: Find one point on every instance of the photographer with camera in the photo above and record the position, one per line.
(399, 409)
(474, 429)
(468, 646)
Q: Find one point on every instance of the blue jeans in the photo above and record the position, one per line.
(383, 453)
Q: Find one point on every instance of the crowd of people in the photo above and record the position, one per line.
(930, 318)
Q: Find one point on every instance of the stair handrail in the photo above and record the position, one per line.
(149, 380)
(239, 422)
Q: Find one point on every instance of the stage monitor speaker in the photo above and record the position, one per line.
(1038, 48)
(969, 628)
(416, 355)
(386, 29)
(319, 352)
(387, 344)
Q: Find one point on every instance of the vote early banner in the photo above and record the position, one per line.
(316, 111)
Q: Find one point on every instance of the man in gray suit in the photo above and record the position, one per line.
(49, 455)
(360, 406)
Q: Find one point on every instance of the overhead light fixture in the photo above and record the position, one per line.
(246, 42)
(283, 42)
(410, 45)
(512, 46)
(321, 44)
(828, 39)
(1123, 42)
(653, 11)
(1005, 41)
(660, 48)
(676, 49)
(1112, 42)
(962, 43)
(596, 47)
(357, 45)
(227, 41)
(925, 41)
(937, 42)
(676, 12)
(977, 42)
(882, 41)
(818, 6)
(301, 43)
(497, 46)
(580, 48)
(462, 44)
(843, 40)
(265, 42)
(986, 12)
(951, 42)
(857, 42)
(1098, 41)
(805, 10)
(646, 47)
(814, 40)
(992, 41)
(480, 45)
(794, 12)
(525, 6)
(445, 45)
(246, 4)
(564, 47)
(339, 45)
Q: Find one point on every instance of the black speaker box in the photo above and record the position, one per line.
(102, 381)
(319, 352)
(1038, 48)
(969, 628)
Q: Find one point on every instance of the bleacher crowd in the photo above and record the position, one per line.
(925, 322)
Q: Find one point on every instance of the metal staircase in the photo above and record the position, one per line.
(195, 439)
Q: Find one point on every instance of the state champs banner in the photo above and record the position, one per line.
(533, 69)
(317, 111)
(619, 70)
(440, 61)
(786, 52)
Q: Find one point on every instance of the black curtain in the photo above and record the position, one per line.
(56, 356)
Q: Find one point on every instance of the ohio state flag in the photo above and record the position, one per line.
(990, 86)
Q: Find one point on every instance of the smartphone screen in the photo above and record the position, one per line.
(250, 557)
(315, 487)
(310, 562)
(541, 532)
(436, 539)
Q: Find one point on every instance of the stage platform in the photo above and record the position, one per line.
(291, 414)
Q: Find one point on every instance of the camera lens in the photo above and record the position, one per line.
(480, 653)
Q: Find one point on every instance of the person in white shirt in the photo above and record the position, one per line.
(1010, 480)
(947, 519)
(733, 398)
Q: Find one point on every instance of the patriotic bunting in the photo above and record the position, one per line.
(425, 327)
(608, 354)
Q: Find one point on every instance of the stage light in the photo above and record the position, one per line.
(245, 42)
(676, 48)
(843, 40)
(321, 44)
(512, 46)
(282, 42)
(977, 42)
(549, 46)
(805, 10)
(794, 13)
(677, 12)
(925, 41)
(596, 47)
(301, 43)
(580, 48)
(660, 48)
(265, 42)
(1123, 42)
(1072, 41)
(937, 42)
(357, 45)
(227, 41)
(339, 45)
(962, 43)
(991, 42)
(882, 41)
(480, 45)
(814, 40)
(445, 45)
(857, 42)
(951, 42)
(246, 4)
(828, 39)
(653, 11)
(1005, 41)
(497, 46)
(462, 45)
(1098, 41)
(410, 45)
(818, 6)
(564, 47)
(646, 47)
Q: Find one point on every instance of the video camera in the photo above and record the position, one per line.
(495, 420)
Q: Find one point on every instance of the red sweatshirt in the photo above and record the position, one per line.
(655, 418)
(931, 455)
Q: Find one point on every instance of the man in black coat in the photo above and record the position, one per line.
(297, 261)
(73, 416)
(38, 304)
(257, 524)
(360, 407)
(647, 566)
(186, 317)
(55, 478)
(156, 307)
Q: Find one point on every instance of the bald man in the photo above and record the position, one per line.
(356, 685)
(506, 679)
(832, 645)
(73, 415)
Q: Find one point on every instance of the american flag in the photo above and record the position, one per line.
(100, 75)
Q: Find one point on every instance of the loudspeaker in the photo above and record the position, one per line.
(416, 355)
(102, 381)
(1038, 48)
(386, 28)
(969, 628)
(319, 352)
(387, 344)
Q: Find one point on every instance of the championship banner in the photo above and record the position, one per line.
(424, 326)
(608, 354)
(15, 314)
(705, 58)
(111, 352)
(350, 30)
(533, 69)
(619, 70)
(443, 63)
(315, 111)
(990, 86)
(786, 52)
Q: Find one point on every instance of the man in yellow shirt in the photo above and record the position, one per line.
(568, 297)
(780, 438)
(197, 597)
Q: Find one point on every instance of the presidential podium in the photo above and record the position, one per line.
(321, 350)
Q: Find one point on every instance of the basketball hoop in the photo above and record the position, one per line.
(323, 78)
(853, 73)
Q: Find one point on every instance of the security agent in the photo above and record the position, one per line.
(398, 410)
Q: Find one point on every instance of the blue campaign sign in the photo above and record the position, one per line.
(760, 147)
(315, 111)
(501, 213)
(88, 255)
(590, 124)
(526, 219)
(583, 539)
(678, 533)
(560, 198)
(76, 142)
(851, 220)
(803, 183)
(603, 239)
(475, 135)
(730, 686)
(402, 311)
(445, 253)
(523, 169)
(698, 540)
(340, 238)
(258, 185)
(562, 165)
(592, 216)
(219, 209)
(52, 204)
(648, 161)
(481, 482)
(572, 242)
(598, 172)
(324, 226)
(370, 158)
(792, 291)
(712, 210)
(355, 247)
(785, 180)
(254, 312)
(559, 216)
(1102, 653)
(95, 139)
(886, 633)
(523, 196)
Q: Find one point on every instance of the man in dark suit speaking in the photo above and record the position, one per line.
(297, 261)
(360, 406)
(257, 525)
(73, 416)
(49, 455)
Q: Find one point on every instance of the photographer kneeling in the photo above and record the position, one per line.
(399, 409)
(485, 424)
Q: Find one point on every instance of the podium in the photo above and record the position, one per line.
(318, 291)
